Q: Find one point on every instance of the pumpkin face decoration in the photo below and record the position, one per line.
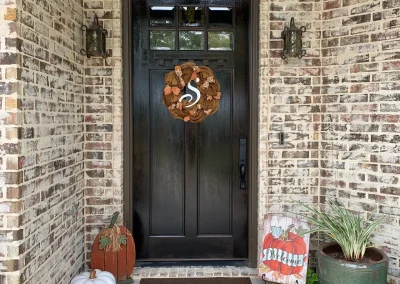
(284, 253)
(95, 277)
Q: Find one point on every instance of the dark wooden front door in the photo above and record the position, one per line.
(187, 196)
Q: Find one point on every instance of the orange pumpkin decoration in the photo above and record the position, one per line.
(290, 252)
(114, 251)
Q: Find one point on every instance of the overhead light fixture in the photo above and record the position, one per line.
(95, 38)
(292, 42)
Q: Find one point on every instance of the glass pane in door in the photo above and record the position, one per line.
(162, 16)
(191, 16)
(220, 16)
(220, 41)
(162, 40)
(191, 40)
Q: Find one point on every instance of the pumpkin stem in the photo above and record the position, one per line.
(285, 235)
(114, 219)
(92, 274)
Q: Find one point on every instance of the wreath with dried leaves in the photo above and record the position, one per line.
(183, 106)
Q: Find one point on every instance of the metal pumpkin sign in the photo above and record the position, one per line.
(284, 253)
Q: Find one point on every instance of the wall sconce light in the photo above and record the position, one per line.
(292, 42)
(95, 37)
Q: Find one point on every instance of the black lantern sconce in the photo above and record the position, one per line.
(292, 42)
(95, 37)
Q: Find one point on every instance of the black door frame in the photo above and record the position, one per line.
(127, 43)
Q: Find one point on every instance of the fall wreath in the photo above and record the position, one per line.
(186, 106)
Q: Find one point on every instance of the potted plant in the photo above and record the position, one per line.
(349, 259)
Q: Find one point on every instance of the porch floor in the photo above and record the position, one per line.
(195, 271)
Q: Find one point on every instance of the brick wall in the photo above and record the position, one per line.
(10, 205)
(42, 232)
(360, 112)
(103, 124)
(51, 140)
(289, 103)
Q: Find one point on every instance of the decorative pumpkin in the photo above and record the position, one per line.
(287, 252)
(113, 250)
(95, 277)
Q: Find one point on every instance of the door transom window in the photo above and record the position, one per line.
(196, 28)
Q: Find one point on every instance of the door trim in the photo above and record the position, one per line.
(127, 44)
(254, 31)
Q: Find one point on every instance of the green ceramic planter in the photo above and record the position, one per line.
(335, 271)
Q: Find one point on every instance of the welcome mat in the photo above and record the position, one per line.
(211, 280)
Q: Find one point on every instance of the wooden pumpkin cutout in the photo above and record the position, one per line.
(114, 251)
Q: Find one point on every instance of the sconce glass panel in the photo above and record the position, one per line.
(95, 40)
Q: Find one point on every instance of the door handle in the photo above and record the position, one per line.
(242, 176)
(242, 163)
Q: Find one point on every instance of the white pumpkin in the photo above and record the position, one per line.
(95, 277)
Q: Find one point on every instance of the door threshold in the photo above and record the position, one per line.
(192, 263)
(184, 269)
